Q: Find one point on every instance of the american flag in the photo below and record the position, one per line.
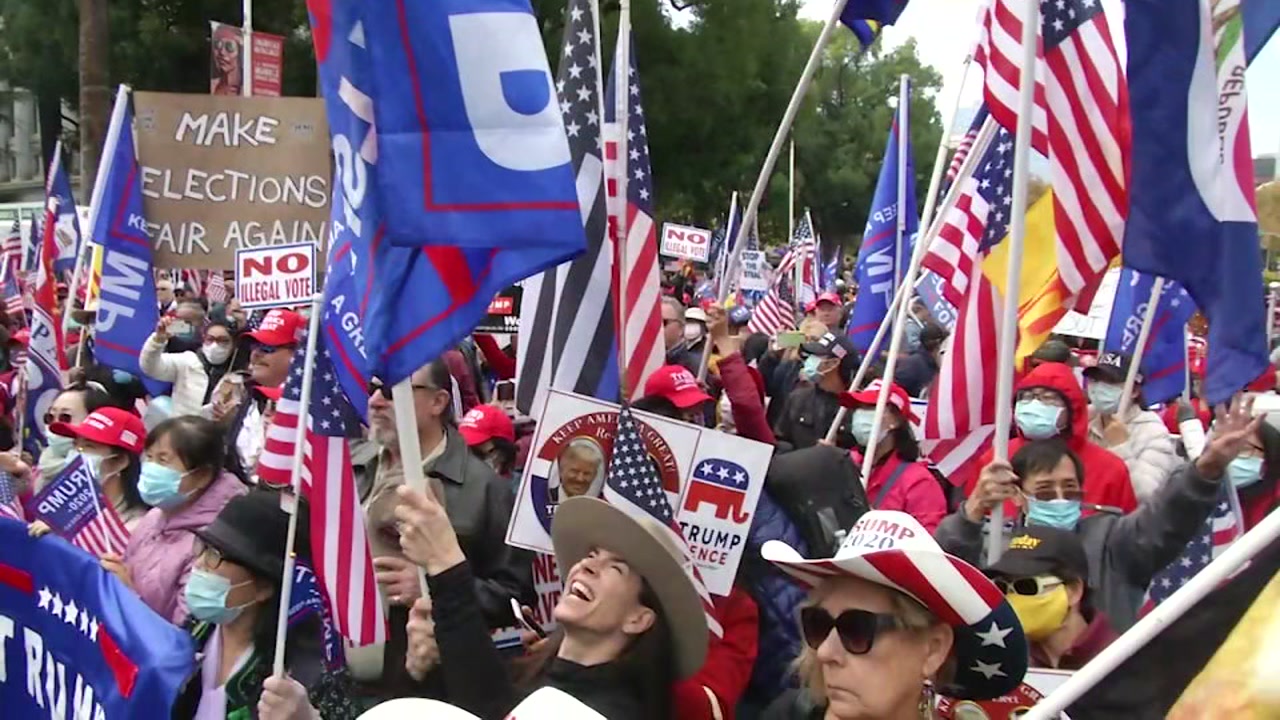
(338, 540)
(1219, 530)
(10, 507)
(963, 400)
(216, 289)
(191, 279)
(11, 293)
(634, 487)
(636, 286)
(776, 312)
(11, 251)
(966, 144)
(568, 339)
(1080, 122)
(80, 513)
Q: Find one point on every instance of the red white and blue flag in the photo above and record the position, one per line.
(10, 505)
(67, 222)
(72, 505)
(1215, 535)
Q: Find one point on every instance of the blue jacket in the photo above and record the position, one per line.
(779, 599)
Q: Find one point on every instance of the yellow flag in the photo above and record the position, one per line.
(1041, 297)
(95, 275)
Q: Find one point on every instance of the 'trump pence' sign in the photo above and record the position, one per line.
(282, 276)
(686, 242)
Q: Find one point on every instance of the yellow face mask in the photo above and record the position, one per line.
(1041, 615)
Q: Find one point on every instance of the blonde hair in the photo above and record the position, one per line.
(911, 616)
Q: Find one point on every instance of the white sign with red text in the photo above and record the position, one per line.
(713, 480)
(686, 242)
(276, 276)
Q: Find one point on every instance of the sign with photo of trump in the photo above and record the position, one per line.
(712, 479)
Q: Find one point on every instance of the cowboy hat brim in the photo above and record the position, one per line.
(583, 524)
(990, 649)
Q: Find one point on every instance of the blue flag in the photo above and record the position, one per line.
(75, 642)
(1260, 18)
(68, 226)
(1191, 215)
(460, 211)
(883, 12)
(127, 308)
(307, 601)
(882, 263)
(1164, 362)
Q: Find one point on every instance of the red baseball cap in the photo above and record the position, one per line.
(898, 398)
(279, 327)
(107, 426)
(676, 384)
(829, 297)
(482, 423)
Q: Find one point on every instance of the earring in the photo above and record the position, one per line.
(928, 700)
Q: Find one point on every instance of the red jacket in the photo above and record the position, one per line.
(713, 692)
(1106, 479)
(457, 364)
(745, 398)
(1258, 500)
(916, 493)
(499, 362)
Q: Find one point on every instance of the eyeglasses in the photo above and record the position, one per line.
(376, 387)
(1054, 492)
(1044, 395)
(50, 418)
(211, 558)
(857, 628)
(217, 339)
(1029, 586)
(268, 349)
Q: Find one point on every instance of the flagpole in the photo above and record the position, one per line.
(729, 231)
(1161, 616)
(95, 199)
(1008, 337)
(246, 81)
(967, 169)
(791, 192)
(1148, 319)
(1186, 364)
(299, 450)
(621, 98)
(903, 128)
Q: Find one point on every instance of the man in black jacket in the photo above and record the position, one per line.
(829, 366)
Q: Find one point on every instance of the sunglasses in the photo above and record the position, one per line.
(857, 628)
(377, 388)
(268, 349)
(50, 418)
(1029, 586)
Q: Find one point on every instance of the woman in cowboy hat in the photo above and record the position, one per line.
(890, 618)
(633, 622)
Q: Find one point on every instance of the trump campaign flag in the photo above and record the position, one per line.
(883, 260)
(67, 225)
(1192, 216)
(77, 643)
(1164, 362)
(127, 308)
(469, 166)
(73, 506)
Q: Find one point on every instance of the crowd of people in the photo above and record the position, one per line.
(838, 615)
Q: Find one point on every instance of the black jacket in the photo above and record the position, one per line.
(680, 354)
(916, 372)
(807, 417)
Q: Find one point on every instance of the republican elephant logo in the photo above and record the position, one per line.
(721, 483)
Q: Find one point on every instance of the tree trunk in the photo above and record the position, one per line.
(95, 96)
(49, 113)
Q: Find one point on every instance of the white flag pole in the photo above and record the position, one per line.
(1148, 319)
(621, 98)
(1008, 338)
(246, 83)
(791, 192)
(299, 449)
(904, 135)
(1163, 615)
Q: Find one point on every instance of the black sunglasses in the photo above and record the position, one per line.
(376, 387)
(50, 418)
(266, 349)
(857, 628)
(1029, 586)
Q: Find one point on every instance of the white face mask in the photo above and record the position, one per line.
(216, 353)
(692, 331)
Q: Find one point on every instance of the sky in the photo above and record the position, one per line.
(945, 30)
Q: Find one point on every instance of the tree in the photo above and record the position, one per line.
(95, 96)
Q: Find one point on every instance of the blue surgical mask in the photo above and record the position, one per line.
(1061, 514)
(1037, 419)
(810, 371)
(158, 485)
(121, 377)
(206, 594)
(93, 462)
(862, 419)
(60, 445)
(1244, 471)
(1105, 398)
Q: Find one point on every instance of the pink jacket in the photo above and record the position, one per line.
(164, 546)
(916, 493)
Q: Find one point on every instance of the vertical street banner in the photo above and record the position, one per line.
(226, 61)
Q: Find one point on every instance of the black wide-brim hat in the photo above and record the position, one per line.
(252, 531)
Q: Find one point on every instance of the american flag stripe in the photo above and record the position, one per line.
(216, 288)
(1214, 536)
(10, 506)
(776, 312)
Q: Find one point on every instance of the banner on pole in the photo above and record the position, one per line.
(226, 64)
(224, 173)
(503, 315)
(755, 271)
(281, 276)
(712, 479)
(1094, 324)
(686, 242)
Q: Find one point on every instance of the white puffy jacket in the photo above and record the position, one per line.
(1150, 452)
(184, 370)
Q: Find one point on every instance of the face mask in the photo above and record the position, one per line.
(862, 420)
(158, 485)
(1061, 514)
(215, 353)
(692, 331)
(1244, 471)
(1037, 420)
(93, 462)
(206, 595)
(59, 445)
(1105, 398)
(1041, 615)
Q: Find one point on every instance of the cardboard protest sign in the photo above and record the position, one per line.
(686, 242)
(755, 271)
(503, 315)
(713, 480)
(1037, 684)
(75, 642)
(279, 276)
(224, 173)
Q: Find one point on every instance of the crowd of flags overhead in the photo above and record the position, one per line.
(777, 311)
